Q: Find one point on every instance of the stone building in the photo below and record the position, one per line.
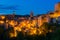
(52, 16)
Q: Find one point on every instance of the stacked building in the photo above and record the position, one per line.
(29, 23)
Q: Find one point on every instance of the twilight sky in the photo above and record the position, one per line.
(23, 7)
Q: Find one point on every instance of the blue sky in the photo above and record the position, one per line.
(23, 7)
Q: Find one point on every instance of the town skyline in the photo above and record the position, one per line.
(27, 27)
(23, 7)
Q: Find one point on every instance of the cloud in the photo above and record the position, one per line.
(12, 7)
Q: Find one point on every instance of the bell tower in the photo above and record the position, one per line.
(31, 14)
(57, 7)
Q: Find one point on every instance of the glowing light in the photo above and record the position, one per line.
(13, 34)
(13, 23)
(3, 17)
(1, 22)
(28, 26)
(7, 21)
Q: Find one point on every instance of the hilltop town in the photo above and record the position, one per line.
(30, 24)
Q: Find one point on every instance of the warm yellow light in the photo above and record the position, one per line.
(7, 21)
(3, 17)
(12, 23)
(1, 22)
(24, 26)
(50, 30)
(13, 34)
(17, 28)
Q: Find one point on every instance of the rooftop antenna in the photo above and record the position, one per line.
(14, 12)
